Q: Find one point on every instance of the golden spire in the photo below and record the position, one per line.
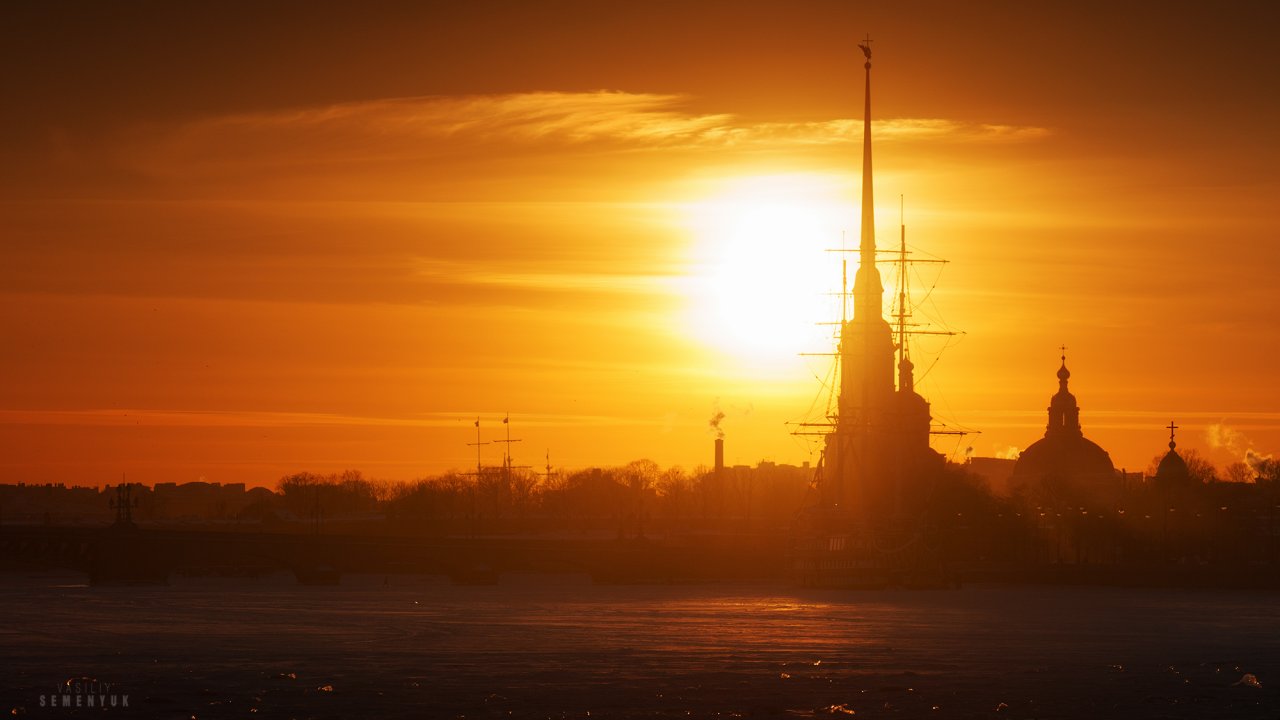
(868, 291)
(868, 238)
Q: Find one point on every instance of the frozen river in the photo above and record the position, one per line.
(562, 647)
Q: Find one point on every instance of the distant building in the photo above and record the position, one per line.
(199, 500)
(995, 472)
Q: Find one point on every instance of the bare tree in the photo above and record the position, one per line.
(1237, 472)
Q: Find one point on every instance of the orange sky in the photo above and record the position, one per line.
(240, 242)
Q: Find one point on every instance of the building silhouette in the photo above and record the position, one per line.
(876, 457)
(1064, 465)
(1172, 473)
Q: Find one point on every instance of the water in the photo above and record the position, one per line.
(535, 647)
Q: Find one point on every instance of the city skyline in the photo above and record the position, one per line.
(247, 242)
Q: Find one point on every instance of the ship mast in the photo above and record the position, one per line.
(904, 354)
(477, 445)
(507, 463)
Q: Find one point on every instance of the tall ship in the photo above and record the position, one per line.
(865, 523)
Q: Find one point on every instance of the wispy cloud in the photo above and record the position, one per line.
(402, 129)
(435, 270)
(1150, 420)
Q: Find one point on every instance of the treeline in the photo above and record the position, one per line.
(1109, 520)
(1119, 521)
(1254, 468)
(1209, 517)
(630, 500)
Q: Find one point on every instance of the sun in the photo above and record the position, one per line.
(764, 280)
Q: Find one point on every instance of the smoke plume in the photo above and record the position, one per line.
(1237, 443)
(1009, 453)
(1221, 437)
(1255, 460)
(714, 422)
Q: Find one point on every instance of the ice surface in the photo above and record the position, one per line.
(561, 647)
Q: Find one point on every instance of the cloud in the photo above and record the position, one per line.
(439, 271)
(444, 128)
(1125, 419)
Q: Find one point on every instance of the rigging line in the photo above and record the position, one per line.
(950, 412)
(928, 293)
(948, 339)
(810, 446)
(804, 444)
(824, 390)
(833, 396)
(922, 251)
(927, 298)
(822, 383)
(935, 313)
(947, 419)
(945, 330)
(925, 374)
(932, 282)
(942, 268)
(933, 259)
(941, 263)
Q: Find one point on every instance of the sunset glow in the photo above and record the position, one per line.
(640, 360)
(762, 279)
(258, 258)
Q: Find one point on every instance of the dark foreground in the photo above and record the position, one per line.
(535, 647)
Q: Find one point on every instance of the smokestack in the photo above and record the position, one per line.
(719, 456)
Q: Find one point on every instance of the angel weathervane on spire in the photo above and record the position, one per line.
(866, 47)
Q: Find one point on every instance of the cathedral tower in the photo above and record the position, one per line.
(880, 445)
(866, 341)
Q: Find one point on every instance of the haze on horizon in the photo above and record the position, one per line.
(244, 241)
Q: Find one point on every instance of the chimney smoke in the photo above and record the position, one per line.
(714, 422)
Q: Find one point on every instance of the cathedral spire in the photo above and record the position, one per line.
(866, 341)
(868, 238)
(881, 438)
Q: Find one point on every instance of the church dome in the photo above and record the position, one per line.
(1173, 468)
(1063, 399)
(1063, 409)
(913, 400)
(1063, 455)
(1064, 451)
